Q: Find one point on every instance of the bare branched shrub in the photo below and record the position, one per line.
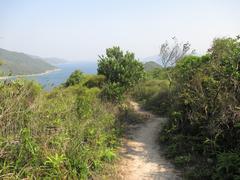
(170, 54)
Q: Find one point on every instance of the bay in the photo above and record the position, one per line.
(55, 78)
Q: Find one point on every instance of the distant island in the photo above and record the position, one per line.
(19, 64)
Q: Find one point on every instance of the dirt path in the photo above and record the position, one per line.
(141, 158)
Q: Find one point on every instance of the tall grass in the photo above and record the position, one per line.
(67, 133)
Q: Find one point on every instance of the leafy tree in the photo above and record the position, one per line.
(225, 54)
(120, 69)
(75, 78)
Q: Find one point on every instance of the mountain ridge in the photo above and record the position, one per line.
(18, 63)
(150, 65)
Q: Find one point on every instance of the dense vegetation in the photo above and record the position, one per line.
(15, 63)
(203, 105)
(73, 131)
(68, 133)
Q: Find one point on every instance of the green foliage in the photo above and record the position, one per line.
(19, 63)
(95, 81)
(228, 165)
(182, 160)
(113, 92)
(157, 73)
(108, 155)
(121, 70)
(75, 78)
(203, 106)
(153, 94)
(67, 133)
(146, 89)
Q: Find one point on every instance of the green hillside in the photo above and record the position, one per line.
(149, 66)
(15, 63)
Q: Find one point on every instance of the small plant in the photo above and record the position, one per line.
(55, 161)
(108, 155)
(28, 150)
(228, 165)
(182, 160)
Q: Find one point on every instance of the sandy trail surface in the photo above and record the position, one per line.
(141, 154)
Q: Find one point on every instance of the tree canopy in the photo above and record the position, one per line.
(122, 71)
(75, 78)
(120, 68)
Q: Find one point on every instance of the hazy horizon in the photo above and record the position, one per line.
(82, 30)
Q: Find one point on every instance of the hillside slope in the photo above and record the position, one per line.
(16, 63)
(148, 66)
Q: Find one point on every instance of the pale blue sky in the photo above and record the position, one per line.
(81, 30)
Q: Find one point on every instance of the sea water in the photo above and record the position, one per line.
(55, 78)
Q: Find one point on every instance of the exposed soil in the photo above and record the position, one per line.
(141, 155)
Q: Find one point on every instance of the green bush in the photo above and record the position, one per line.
(75, 78)
(182, 160)
(95, 81)
(228, 166)
(157, 73)
(112, 92)
(121, 70)
(149, 88)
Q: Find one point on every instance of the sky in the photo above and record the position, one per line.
(80, 30)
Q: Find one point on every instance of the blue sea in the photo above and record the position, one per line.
(53, 79)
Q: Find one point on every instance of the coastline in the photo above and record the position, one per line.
(29, 75)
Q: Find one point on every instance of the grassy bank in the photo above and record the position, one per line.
(67, 133)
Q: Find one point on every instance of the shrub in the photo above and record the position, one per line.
(157, 73)
(121, 70)
(75, 78)
(112, 92)
(95, 81)
(149, 88)
(228, 165)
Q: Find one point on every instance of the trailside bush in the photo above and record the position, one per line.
(205, 109)
(112, 92)
(203, 105)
